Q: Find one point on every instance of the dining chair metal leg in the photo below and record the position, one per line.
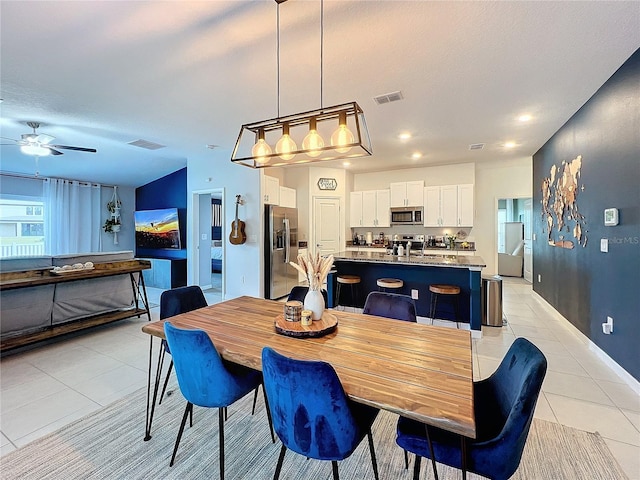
(255, 397)
(283, 450)
(266, 406)
(463, 453)
(334, 467)
(221, 440)
(187, 410)
(433, 456)
(373, 455)
(166, 381)
(416, 467)
(406, 460)
(156, 385)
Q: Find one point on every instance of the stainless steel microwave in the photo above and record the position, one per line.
(406, 216)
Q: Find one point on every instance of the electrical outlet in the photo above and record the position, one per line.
(604, 245)
(539, 278)
(203, 236)
(607, 328)
(414, 294)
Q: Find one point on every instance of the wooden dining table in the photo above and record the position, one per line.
(418, 371)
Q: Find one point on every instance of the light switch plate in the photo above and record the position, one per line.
(604, 245)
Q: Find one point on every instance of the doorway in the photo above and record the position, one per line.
(326, 225)
(514, 217)
(208, 235)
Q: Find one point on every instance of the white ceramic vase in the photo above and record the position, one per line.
(314, 301)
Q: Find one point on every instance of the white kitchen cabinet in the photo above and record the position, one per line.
(407, 194)
(355, 209)
(287, 197)
(270, 190)
(448, 206)
(466, 205)
(369, 208)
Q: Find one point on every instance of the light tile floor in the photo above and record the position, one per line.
(49, 386)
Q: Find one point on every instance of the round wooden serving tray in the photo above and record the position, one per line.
(318, 328)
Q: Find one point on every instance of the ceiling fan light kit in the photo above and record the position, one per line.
(343, 125)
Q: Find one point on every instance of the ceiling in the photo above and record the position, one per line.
(188, 74)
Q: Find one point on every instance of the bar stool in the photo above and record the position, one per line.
(392, 283)
(451, 292)
(354, 281)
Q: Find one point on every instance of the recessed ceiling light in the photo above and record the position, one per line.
(524, 118)
(404, 136)
(509, 145)
(346, 164)
(416, 155)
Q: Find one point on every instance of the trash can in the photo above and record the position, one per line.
(491, 301)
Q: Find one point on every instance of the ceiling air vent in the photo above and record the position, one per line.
(146, 144)
(476, 146)
(388, 97)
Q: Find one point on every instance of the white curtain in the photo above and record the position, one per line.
(72, 216)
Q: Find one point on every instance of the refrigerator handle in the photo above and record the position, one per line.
(287, 240)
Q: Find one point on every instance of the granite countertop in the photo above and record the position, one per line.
(455, 261)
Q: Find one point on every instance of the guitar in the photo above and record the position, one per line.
(237, 235)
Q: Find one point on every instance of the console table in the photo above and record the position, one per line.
(37, 277)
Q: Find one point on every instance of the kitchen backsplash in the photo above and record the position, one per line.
(462, 234)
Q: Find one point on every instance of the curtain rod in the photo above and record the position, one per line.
(37, 177)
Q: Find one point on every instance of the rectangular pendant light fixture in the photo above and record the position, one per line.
(329, 133)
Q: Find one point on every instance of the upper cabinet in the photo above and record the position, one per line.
(466, 205)
(270, 190)
(287, 197)
(369, 208)
(407, 194)
(448, 206)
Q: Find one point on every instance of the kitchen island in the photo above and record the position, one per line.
(417, 272)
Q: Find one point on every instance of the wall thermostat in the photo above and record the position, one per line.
(610, 217)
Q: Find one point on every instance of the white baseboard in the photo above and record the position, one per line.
(602, 355)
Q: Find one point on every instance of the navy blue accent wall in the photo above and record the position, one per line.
(584, 284)
(169, 191)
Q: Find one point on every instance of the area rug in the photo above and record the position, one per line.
(109, 445)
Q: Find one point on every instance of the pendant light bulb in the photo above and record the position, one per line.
(342, 135)
(313, 142)
(286, 145)
(261, 149)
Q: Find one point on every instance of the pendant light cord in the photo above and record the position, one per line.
(278, 53)
(321, 52)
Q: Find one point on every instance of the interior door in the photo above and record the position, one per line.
(326, 224)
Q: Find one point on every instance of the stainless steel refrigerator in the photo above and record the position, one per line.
(281, 247)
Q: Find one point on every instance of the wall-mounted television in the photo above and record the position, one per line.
(157, 228)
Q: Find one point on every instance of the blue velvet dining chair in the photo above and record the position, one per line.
(311, 412)
(174, 302)
(390, 305)
(206, 380)
(504, 407)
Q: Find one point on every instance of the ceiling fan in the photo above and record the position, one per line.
(38, 144)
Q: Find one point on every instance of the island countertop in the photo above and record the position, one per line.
(451, 261)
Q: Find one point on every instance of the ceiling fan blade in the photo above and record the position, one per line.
(44, 138)
(53, 151)
(12, 139)
(67, 147)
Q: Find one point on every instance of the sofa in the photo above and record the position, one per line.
(34, 308)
